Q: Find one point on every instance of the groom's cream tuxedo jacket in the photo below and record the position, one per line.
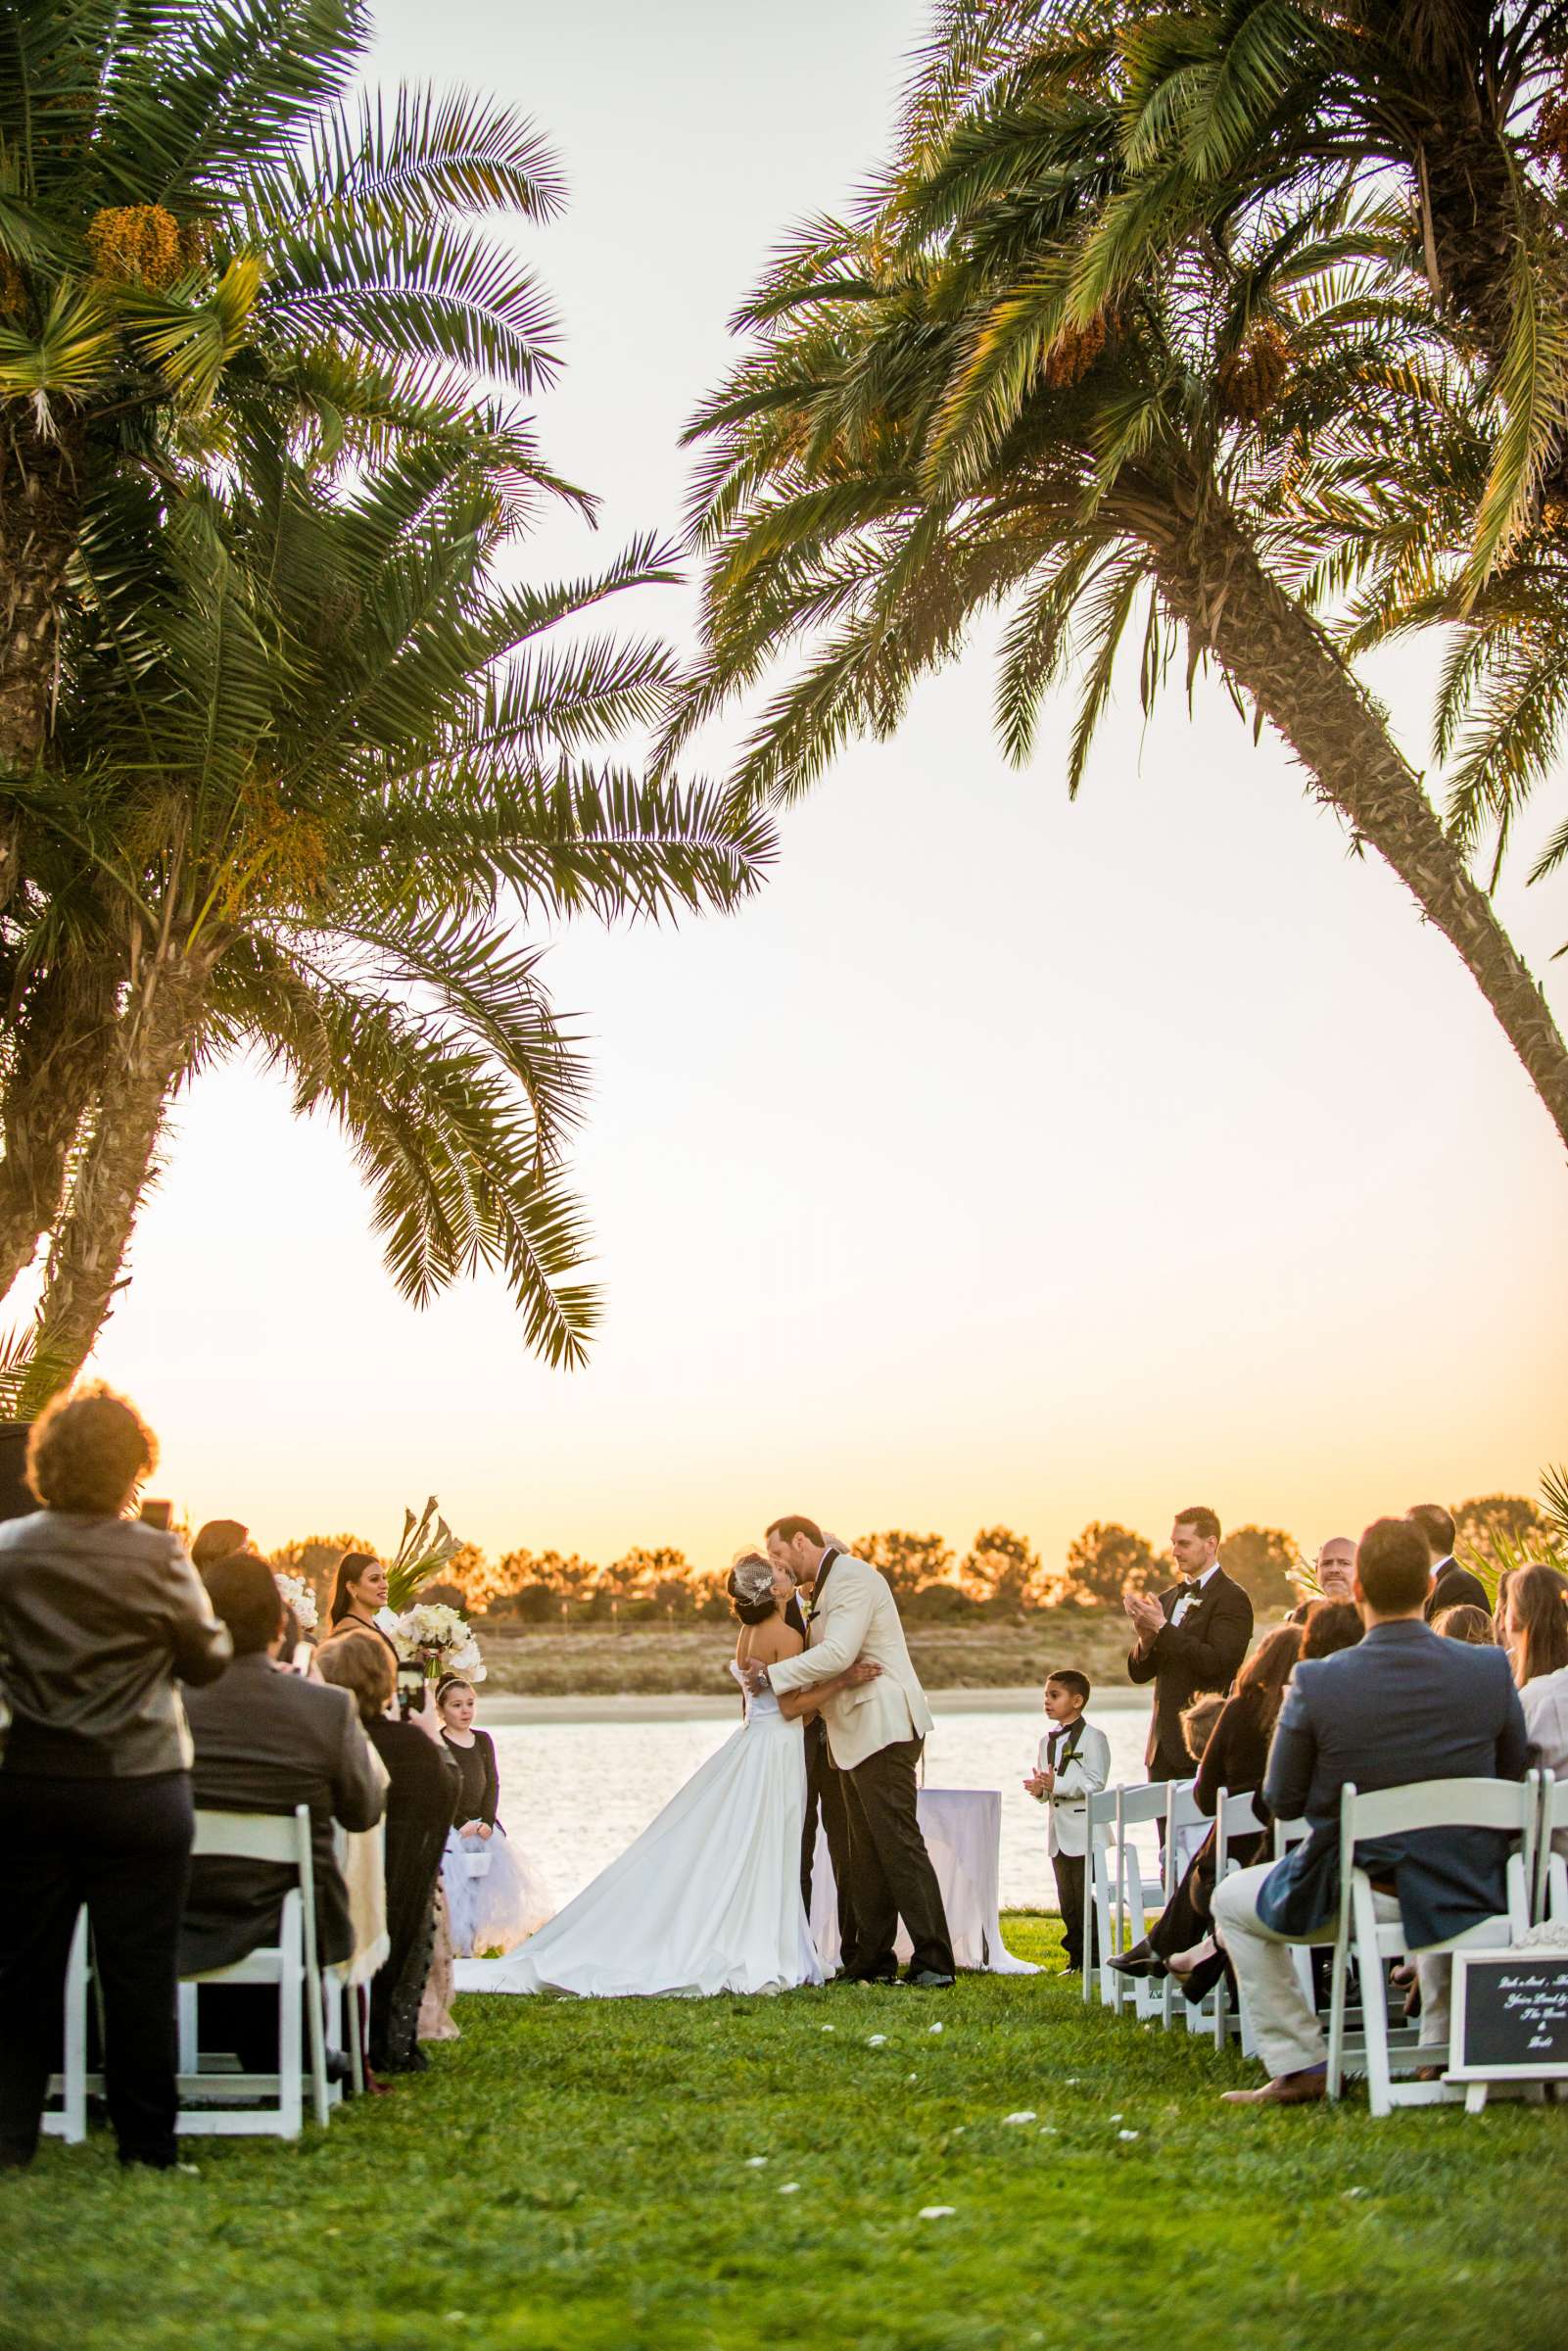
(857, 1617)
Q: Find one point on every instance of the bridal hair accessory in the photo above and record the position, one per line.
(751, 1578)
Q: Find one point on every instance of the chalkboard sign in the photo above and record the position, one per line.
(1509, 2015)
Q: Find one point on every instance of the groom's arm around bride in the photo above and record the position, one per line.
(875, 1736)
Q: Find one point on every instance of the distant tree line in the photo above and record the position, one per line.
(999, 1575)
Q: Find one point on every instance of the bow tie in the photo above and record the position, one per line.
(1192, 1587)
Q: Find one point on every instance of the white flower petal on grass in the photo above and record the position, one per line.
(829, 2028)
(790, 2187)
(1025, 2114)
(933, 2028)
(912, 2077)
(1072, 2081)
(937, 2211)
(1116, 2118)
(1048, 2131)
(1355, 2192)
(875, 2040)
(1126, 2135)
(754, 2163)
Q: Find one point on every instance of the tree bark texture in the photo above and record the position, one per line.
(61, 1053)
(1274, 651)
(149, 1053)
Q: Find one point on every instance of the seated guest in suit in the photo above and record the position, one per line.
(102, 1618)
(1453, 1586)
(1336, 1576)
(267, 1739)
(1402, 1706)
(1074, 1764)
(423, 1799)
(1192, 1638)
(1466, 1623)
(1235, 1757)
(1535, 1631)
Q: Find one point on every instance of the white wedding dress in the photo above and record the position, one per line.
(707, 1899)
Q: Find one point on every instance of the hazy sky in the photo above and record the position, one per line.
(1007, 1159)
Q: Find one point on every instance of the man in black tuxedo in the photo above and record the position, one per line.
(825, 1792)
(1453, 1586)
(1191, 1639)
(1400, 1707)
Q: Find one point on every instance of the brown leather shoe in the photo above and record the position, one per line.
(1286, 2090)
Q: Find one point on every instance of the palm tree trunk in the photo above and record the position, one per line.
(60, 1054)
(1214, 582)
(150, 1052)
(40, 503)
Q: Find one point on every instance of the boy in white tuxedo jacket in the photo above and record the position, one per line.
(1074, 1764)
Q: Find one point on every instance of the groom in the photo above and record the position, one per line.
(874, 1737)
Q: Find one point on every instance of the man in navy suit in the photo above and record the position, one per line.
(1403, 1706)
(1453, 1586)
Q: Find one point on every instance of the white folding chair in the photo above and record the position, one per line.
(1549, 1892)
(210, 2098)
(1183, 1815)
(1138, 1887)
(1234, 1816)
(1098, 1896)
(69, 2120)
(1511, 1807)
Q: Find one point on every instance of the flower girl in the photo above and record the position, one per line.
(494, 1899)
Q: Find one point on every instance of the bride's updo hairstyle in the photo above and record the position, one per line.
(752, 1588)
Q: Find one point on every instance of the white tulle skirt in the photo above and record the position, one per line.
(496, 1899)
(706, 1900)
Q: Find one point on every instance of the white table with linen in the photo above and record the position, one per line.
(963, 1832)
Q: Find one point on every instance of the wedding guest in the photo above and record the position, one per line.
(1465, 1623)
(1074, 1764)
(359, 1595)
(494, 1899)
(1535, 1630)
(219, 1539)
(267, 1739)
(100, 1618)
(1192, 1638)
(1234, 1757)
(1335, 1565)
(1402, 1706)
(1331, 1625)
(1451, 1586)
(423, 1799)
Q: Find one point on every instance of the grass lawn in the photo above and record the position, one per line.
(580, 2175)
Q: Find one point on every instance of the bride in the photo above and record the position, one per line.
(708, 1897)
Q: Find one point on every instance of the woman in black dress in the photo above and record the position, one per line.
(422, 1796)
(359, 1595)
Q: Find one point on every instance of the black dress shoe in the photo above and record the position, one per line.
(929, 1979)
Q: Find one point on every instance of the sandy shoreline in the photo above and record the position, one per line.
(502, 1709)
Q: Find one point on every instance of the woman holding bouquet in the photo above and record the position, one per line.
(494, 1899)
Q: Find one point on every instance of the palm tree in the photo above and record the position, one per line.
(313, 780)
(205, 250)
(925, 427)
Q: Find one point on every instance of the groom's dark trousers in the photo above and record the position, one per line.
(824, 1794)
(891, 1877)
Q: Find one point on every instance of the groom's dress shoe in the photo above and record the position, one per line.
(929, 1979)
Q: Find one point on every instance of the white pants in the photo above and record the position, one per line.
(1290, 2038)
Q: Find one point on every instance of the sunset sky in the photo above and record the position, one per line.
(1006, 1160)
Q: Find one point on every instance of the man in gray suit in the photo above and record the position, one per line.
(1403, 1706)
(265, 1741)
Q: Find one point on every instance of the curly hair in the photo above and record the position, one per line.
(89, 1452)
(360, 1663)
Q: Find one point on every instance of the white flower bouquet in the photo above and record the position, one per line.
(436, 1637)
(298, 1596)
